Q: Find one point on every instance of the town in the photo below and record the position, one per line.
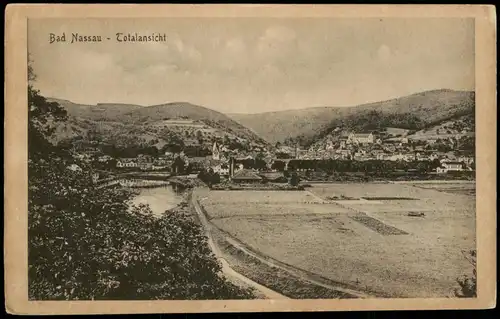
(348, 152)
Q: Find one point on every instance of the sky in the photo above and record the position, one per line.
(252, 65)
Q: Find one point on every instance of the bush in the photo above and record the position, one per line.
(85, 243)
(468, 284)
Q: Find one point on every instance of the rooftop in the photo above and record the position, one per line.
(246, 174)
(453, 163)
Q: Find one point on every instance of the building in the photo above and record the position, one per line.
(191, 142)
(104, 158)
(450, 167)
(156, 167)
(360, 138)
(126, 163)
(142, 158)
(169, 155)
(343, 141)
(215, 152)
(222, 169)
(468, 160)
(160, 161)
(246, 176)
(145, 166)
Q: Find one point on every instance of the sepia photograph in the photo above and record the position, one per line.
(272, 158)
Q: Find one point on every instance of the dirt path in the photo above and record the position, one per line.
(226, 269)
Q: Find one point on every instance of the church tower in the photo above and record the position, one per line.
(215, 152)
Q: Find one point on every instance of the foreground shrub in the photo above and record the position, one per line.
(85, 243)
(468, 284)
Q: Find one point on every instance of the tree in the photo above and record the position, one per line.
(468, 284)
(199, 134)
(282, 155)
(294, 179)
(286, 174)
(226, 140)
(43, 117)
(209, 177)
(278, 165)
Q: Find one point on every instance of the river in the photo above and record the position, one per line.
(159, 199)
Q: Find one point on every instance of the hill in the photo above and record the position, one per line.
(128, 125)
(184, 110)
(99, 112)
(458, 126)
(415, 111)
(278, 126)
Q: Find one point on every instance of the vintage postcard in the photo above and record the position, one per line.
(249, 158)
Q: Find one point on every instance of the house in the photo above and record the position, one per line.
(160, 161)
(431, 141)
(248, 157)
(145, 166)
(246, 176)
(191, 142)
(104, 158)
(126, 163)
(450, 167)
(468, 160)
(221, 169)
(156, 167)
(397, 157)
(382, 156)
(343, 140)
(144, 158)
(169, 155)
(360, 138)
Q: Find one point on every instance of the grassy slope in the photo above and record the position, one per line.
(276, 126)
(430, 107)
(459, 126)
(133, 122)
(101, 111)
(191, 111)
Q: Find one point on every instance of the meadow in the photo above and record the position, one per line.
(372, 245)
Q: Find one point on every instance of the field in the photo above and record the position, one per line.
(370, 245)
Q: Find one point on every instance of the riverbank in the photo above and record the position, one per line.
(159, 199)
(361, 178)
